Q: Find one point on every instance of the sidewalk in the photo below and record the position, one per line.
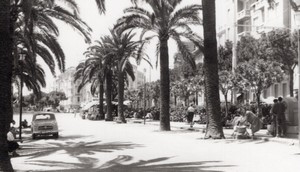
(260, 135)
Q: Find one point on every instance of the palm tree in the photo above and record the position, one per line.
(121, 47)
(26, 16)
(213, 110)
(165, 22)
(95, 70)
(5, 83)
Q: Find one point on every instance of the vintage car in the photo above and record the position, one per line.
(44, 123)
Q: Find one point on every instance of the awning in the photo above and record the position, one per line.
(127, 102)
(89, 105)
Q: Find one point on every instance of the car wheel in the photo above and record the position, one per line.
(55, 135)
(33, 136)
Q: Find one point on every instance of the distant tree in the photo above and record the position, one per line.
(258, 75)
(55, 97)
(226, 77)
(283, 48)
(256, 71)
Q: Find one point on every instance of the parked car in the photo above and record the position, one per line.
(44, 123)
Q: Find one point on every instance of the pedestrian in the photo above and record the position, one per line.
(281, 128)
(273, 112)
(249, 118)
(11, 142)
(190, 115)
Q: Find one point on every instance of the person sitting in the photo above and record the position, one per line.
(248, 118)
(11, 143)
(25, 124)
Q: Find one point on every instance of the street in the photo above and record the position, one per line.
(86, 145)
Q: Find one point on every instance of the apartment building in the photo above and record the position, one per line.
(253, 17)
(65, 83)
(140, 78)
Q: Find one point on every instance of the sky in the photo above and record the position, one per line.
(74, 46)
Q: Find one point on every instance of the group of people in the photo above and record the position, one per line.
(246, 119)
(278, 115)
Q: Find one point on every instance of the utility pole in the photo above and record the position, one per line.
(22, 58)
(234, 57)
(295, 5)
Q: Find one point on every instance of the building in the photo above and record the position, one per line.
(140, 78)
(65, 83)
(253, 17)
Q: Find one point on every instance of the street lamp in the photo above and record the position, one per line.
(295, 5)
(145, 96)
(22, 58)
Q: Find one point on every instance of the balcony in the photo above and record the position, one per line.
(244, 33)
(243, 15)
(258, 4)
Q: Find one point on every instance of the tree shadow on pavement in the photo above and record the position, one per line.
(74, 149)
(152, 165)
(238, 141)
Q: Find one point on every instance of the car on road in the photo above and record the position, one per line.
(44, 124)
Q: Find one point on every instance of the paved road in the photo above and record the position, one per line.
(86, 145)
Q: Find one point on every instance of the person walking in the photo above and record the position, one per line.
(281, 128)
(190, 115)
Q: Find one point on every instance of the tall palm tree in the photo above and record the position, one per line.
(165, 22)
(213, 110)
(5, 83)
(25, 15)
(95, 70)
(90, 72)
(122, 47)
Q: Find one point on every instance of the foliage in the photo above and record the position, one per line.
(35, 35)
(45, 99)
(283, 49)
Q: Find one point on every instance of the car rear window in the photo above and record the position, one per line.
(44, 117)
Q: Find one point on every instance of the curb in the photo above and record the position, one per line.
(200, 128)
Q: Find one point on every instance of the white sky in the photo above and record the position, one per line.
(74, 46)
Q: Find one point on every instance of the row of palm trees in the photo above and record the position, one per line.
(108, 58)
(27, 27)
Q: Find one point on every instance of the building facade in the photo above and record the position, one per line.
(140, 78)
(65, 83)
(253, 17)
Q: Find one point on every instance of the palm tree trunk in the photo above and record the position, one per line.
(101, 94)
(213, 110)
(5, 83)
(121, 96)
(164, 85)
(226, 104)
(108, 94)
